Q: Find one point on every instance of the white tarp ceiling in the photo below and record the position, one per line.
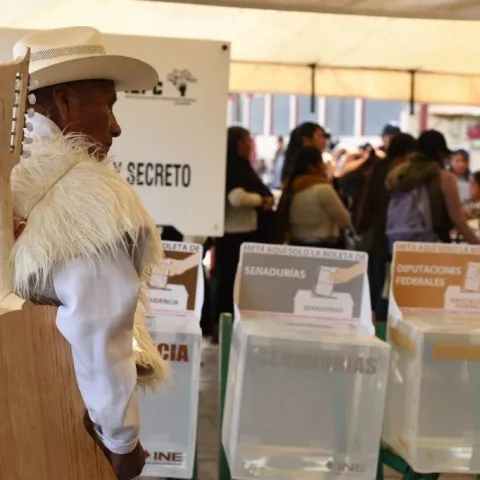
(356, 56)
(446, 9)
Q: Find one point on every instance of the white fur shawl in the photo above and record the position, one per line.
(77, 207)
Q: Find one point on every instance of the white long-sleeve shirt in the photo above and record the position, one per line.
(240, 213)
(96, 318)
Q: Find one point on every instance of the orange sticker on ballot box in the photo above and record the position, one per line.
(436, 277)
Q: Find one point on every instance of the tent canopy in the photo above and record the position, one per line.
(304, 52)
(444, 9)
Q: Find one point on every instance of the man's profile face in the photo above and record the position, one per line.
(82, 107)
(89, 110)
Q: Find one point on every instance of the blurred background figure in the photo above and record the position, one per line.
(277, 167)
(460, 167)
(308, 134)
(472, 206)
(388, 133)
(310, 210)
(261, 169)
(245, 196)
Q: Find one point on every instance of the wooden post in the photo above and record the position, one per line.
(41, 409)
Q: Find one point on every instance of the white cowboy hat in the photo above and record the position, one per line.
(78, 53)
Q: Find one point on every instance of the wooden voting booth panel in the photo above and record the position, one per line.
(41, 410)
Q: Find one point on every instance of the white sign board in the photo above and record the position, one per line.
(303, 282)
(173, 144)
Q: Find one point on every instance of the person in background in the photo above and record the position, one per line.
(354, 176)
(328, 160)
(388, 133)
(245, 193)
(371, 217)
(328, 141)
(447, 209)
(253, 151)
(277, 167)
(460, 167)
(261, 168)
(310, 210)
(473, 204)
(305, 135)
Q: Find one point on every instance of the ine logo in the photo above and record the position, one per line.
(345, 467)
(165, 458)
(180, 79)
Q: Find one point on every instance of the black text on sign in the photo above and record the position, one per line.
(159, 174)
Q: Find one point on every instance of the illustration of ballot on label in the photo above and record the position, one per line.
(466, 296)
(165, 296)
(471, 281)
(323, 300)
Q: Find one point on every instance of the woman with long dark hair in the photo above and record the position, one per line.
(311, 212)
(307, 134)
(245, 193)
(447, 208)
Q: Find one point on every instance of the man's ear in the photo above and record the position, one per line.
(61, 100)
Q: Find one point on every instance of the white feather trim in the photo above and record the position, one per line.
(79, 207)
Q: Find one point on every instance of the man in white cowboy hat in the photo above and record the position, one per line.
(84, 241)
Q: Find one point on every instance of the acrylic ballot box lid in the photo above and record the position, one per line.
(432, 416)
(304, 399)
(171, 323)
(308, 330)
(438, 323)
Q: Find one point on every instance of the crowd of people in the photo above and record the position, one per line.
(411, 189)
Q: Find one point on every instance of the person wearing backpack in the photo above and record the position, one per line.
(372, 216)
(424, 203)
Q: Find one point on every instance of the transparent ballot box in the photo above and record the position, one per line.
(168, 417)
(432, 414)
(304, 400)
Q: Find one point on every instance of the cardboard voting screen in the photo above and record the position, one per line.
(303, 282)
(178, 287)
(435, 278)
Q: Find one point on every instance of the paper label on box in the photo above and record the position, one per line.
(303, 282)
(178, 286)
(436, 277)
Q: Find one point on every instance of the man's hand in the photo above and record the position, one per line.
(126, 467)
(130, 465)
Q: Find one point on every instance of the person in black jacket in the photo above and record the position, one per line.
(245, 195)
